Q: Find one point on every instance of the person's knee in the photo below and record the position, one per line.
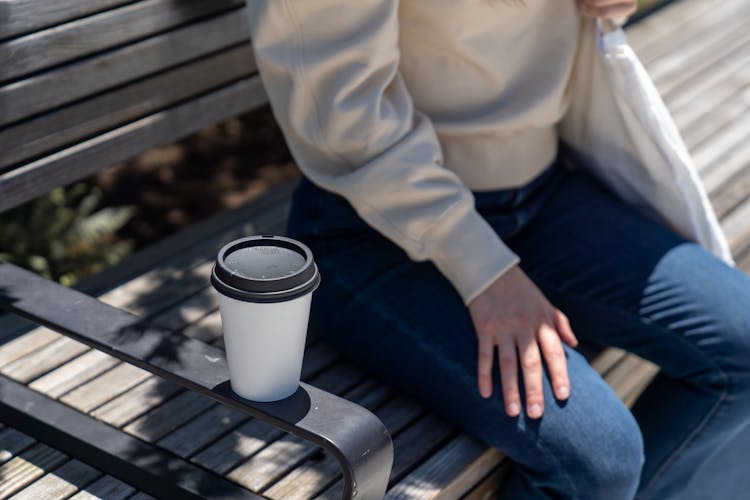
(728, 353)
(595, 452)
(610, 465)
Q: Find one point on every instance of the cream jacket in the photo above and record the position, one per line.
(406, 107)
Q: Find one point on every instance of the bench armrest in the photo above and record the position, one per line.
(353, 434)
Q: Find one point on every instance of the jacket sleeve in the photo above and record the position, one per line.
(330, 68)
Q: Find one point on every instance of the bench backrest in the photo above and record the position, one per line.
(88, 83)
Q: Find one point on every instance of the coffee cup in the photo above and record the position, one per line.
(264, 286)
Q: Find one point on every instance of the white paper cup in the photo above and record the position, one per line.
(265, 286)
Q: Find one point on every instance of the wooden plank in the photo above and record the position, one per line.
(21, 16)
(167, 417)
(43, 360)
(44, 91)
(708, 155)
(489, 487)
(236, 446)
(103, 112)
(74, 373)
(60, 483)
(702, 92)
(710, 121)
(693, 57)
(728, 166)
(17, 348)
(114, 452)
(652, 33)
(450, 472)
(679, 26)
(630, 376)
(733, 192)
(135, 402)
(607, 359)
(76, 162)
(27, 467)
(202, 430)
(12, 442)
(107, 488)
(735, 225)
(100, 390)
(743, 259)
(633, 388)
(99, 32)
(418, 442)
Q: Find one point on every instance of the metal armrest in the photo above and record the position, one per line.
(353, 434)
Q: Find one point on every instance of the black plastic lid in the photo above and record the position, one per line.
(265, 268)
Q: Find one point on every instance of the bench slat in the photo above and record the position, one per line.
(12, 443)
(44, 91)
(137, 401)
(59, 483)
(22, 16)
(491, 484)
(74, 373)
(653, 32)
(75, 39)
(28, 466)
(107, 487)
(450, 472)
(22, 346)
(43, 360)
(98, 391)
(103, 112)
(114, 452)
(84, 159)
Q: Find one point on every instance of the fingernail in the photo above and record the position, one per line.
(513, 409)
(535, 411)
(563, 392)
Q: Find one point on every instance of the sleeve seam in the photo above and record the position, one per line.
(318, 132)
(303, 78)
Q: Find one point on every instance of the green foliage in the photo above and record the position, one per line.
(64, 235)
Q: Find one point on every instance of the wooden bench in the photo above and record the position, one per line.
(93, 83)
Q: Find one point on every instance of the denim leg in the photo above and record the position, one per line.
(402, 321)
(626, 281)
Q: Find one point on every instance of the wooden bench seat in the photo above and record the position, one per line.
(31, 470)
(226, 441)
(695, 50)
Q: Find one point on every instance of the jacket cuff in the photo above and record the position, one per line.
(469, 253)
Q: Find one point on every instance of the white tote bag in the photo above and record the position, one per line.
(628, 139)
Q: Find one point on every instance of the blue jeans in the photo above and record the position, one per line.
(621, 278)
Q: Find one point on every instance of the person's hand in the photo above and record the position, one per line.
(618, 10)
(514, 314)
